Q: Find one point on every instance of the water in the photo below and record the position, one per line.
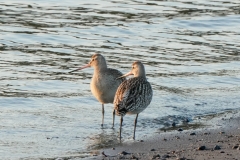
(190, 50)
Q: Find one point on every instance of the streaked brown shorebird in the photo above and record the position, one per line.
(104, 82)
(133, 95)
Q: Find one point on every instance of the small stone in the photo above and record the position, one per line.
(221, 132)
(123, 153)
(165, 139)
(180, 129)
(206, 133)
(183, 158)
(191, 134)
(201, 148)
(156, 156)
(141, 140)
(235, 147)
(133, 157)
(153, 150)
(217, 147)
(165, 156)
(222, 152)
(113, 148)
(29, 6)
(173, 124)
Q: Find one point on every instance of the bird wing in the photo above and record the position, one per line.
(130, 94)
(116, 73)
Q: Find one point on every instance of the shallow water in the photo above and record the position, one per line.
(190, 51)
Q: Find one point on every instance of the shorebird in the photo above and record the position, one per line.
(133, 95)
(104, 82)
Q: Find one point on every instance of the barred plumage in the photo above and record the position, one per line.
(133, 95)
(104, 81)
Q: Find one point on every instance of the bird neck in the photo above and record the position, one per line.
(140, 73)
(100, 68)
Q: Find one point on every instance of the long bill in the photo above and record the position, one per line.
(86, 66)
(125, 75)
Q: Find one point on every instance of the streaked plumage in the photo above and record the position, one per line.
(104, 81)
(133, 95)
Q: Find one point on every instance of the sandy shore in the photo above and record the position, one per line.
(218, 139)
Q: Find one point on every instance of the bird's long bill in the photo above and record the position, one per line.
(86, 66)
(125, 75)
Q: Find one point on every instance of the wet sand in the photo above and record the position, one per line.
(218, 139)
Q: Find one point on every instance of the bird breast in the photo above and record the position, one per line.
(103, 87)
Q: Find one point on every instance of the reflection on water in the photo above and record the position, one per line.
(190, 50)
(105, 139)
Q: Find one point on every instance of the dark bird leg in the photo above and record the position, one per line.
(121, 120)
(102, 115)
(113, 118)
(135, 124)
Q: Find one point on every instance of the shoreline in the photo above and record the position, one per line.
(218, 138)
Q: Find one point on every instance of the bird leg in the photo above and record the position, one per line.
(121, 120)
(113, 118)
(102, 115)
(135, 124)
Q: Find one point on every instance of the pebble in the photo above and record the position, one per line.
(235, 146)
(156, 156)
(123, 153)
(217, 147)
(201, 148)
(183, 158)
(173, 124)
(191, 134)
(133, 157)
(165, 156)
(153, 150)
(180, 129)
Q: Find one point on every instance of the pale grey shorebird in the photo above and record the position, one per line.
(104, 82)
(133, 95)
